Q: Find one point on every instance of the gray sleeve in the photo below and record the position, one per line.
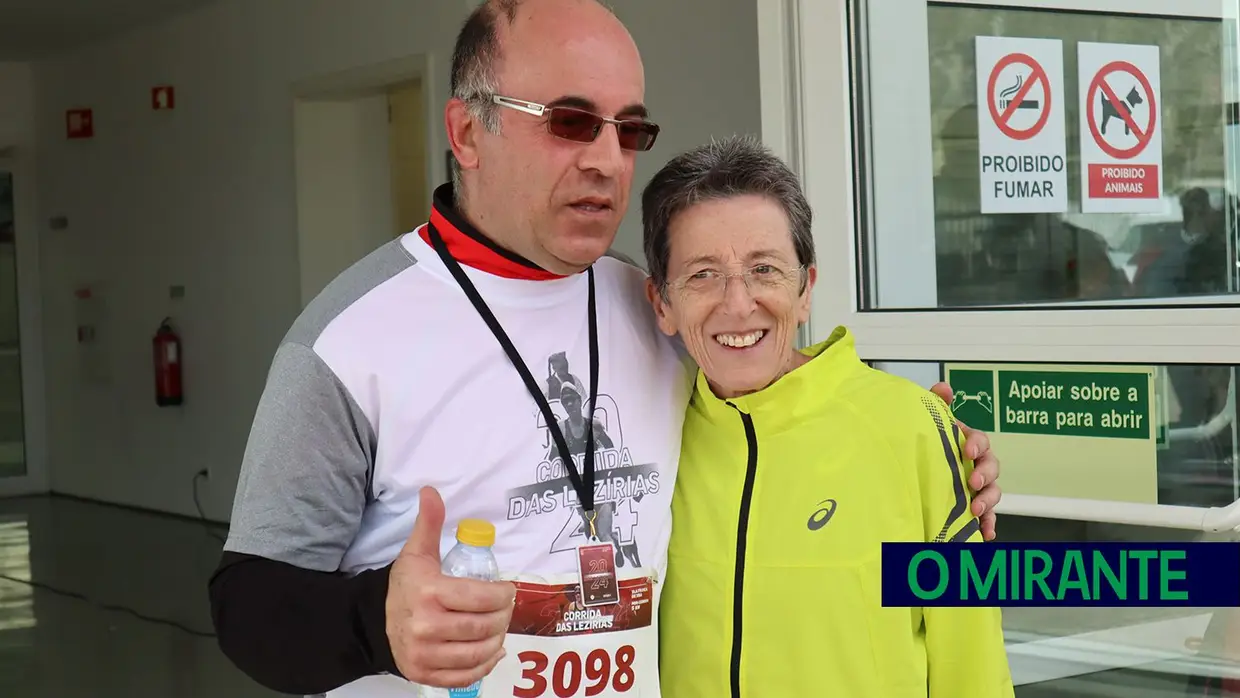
(305, 478)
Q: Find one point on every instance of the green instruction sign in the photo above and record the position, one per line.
(1098, 404)
(973, 398)
(1103, 405)
(1080, 431)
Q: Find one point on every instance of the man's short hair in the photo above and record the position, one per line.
(474, 61)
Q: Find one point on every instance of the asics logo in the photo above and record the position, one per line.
(826, 509)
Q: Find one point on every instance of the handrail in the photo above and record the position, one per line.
(1206, 519)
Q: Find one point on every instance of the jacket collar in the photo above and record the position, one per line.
(470, 247)
(796, 395)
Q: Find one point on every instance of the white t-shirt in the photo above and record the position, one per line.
(396, 382)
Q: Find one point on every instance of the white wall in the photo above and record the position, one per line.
(16, 105)
(344, 185)
(205, 196)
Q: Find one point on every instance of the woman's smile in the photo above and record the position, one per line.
(740, 340)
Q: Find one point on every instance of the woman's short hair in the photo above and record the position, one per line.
(736, 166)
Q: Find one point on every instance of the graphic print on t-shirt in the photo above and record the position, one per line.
(621, 481)
(589, 632)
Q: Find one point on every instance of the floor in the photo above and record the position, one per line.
(74, 642)
(56, 646)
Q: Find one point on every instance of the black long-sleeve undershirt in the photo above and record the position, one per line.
(300, 631)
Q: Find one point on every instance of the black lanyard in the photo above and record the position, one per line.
(585, 489)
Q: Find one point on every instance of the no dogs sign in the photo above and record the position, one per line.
(1020, 125)
(1121, 129)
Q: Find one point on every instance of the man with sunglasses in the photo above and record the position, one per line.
(410, 383)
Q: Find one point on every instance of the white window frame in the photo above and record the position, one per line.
(807, 117)
(806, 74)
(30, 324)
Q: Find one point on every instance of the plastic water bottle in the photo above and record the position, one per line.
(472, 558)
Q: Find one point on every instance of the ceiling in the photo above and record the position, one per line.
(33, 29)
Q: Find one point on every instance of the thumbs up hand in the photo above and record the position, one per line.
(444, 631)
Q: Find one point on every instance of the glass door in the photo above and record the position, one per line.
(12, 428)
(19, 473)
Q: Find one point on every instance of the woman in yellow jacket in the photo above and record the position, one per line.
(773, 585)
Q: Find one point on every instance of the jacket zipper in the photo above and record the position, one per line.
(742, 530)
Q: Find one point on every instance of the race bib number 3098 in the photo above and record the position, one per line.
(595, 675)
(560, 647)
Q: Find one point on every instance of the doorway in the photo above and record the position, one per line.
(361, 163)
(21, 385)
(407, 148)
(12, 424)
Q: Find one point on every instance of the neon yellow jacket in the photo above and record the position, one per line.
(781, 504)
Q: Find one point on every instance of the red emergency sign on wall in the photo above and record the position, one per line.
(163, 97)
(80, 123)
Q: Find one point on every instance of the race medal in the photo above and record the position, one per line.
(597, 570)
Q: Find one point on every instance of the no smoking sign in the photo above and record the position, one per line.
(1021, 134)
(1022, 108)
(1121, 131)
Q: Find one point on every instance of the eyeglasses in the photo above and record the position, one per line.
(761, 280)
(581, 126)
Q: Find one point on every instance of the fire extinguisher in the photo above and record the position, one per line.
(167, 347)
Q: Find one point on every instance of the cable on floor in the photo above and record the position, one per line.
(107, 607)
